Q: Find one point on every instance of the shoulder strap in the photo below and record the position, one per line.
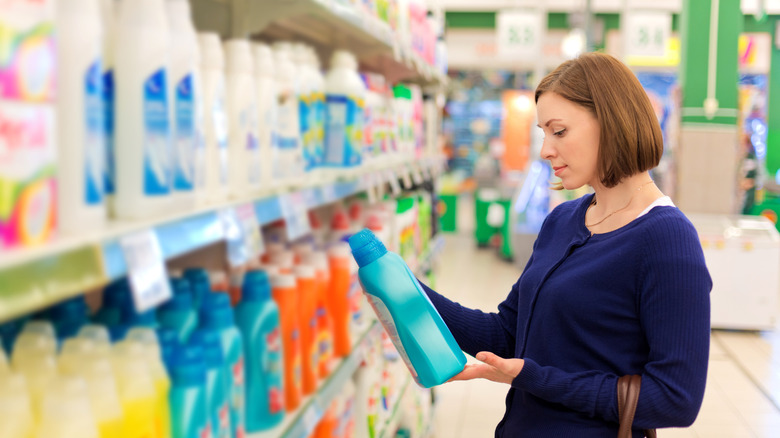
(628, 397)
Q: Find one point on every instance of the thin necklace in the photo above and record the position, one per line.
(619, 209)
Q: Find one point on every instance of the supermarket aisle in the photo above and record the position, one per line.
(743, 392)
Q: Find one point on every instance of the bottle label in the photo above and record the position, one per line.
(221, 131)
(344, 133)
(157, 147)
(108, 131)
(297, 366)
(383, 313)
(288, 129)
(184, 137)
(324, 341)
(248, 128)
(305, 112)
(223, 420)
(318, 128)
(205, 431)
(237, 397)
(273, 371)
(94, 148)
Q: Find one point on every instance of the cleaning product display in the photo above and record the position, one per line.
(418, 332)
(289, 154)
(267, 111)
(215, 123)
(345, 95)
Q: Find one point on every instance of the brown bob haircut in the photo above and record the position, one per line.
(630, 136)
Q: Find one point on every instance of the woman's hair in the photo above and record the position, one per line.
(630, 136)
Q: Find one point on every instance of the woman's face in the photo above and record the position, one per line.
(571, 140)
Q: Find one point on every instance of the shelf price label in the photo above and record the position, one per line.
(295, 213)
(237, 248)
(646, 34)
(250, 226)
(145, 269)
(519, 33)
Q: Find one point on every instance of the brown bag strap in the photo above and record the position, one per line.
(628, 397)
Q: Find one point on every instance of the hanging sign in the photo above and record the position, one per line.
(647, 33)
(519, 34)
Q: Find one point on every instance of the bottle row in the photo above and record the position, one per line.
(231, 351)
(150, 117)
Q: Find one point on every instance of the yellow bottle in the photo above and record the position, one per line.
(162, 383)
(98, 334)
(65, 410)
(15, 407)
(3, 363)
(136, 391)
(81, 357)
(34, 356)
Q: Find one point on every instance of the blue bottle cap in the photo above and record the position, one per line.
(215, 311)
(181, 286)
(187, 366)
(366, 247)
(178, 302)
(117, 294)
(256, 287)
(210, 341)
(199, 281)
(118, 332)
(169, 340)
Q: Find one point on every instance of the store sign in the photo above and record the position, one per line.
(646, 34)
(755, 51)
(145, 269)
(519, 33)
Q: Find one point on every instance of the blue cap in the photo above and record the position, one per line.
(118, 332)
(366, 247)
(117, 294)
(211, 343)
(178, 302)
(200, 283)
(169, 340)
(256, 286)
(187, 366)
(215, 311)
(69, 316)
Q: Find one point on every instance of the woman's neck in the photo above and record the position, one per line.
(625, 193)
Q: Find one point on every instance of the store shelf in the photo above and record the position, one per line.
(325, 24)
(301, 423)
(391, 425)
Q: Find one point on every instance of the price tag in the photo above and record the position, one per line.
(519, 34)
(328, 193)
(146, 269)
(295, 213)
(392, 179)
(250, 226)
(238, 250)
(646, 33)
(311, 417)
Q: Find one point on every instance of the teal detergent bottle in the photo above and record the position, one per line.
(217, 315)
(217, 400)
(188, 393)
(200, 283)
(178, 312)
(116, 296)
(257, 316)
(415, 327)
(69, 316)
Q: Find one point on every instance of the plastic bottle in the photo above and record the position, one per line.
(290, 163)
(80, 127)
(244, 149)
(217, 400)
(324, 320)
(257, 316)
(307, 316)
(141, 402)
(340, 227)
(115, 297)
(65, 411)
(305, 90)
(178, 313)
(108, 17)
(100, 338)
(189, 417)
(34, 356)
(345, 411)
(152, 353)
(285, 293)
(300, 249)
(338, 300)
(215, 123)
(345, 100)
(200, 284)
(416, 328)
(267, 110)
(404, 110)
(368, 393)
(3, 363)
(186, 100)
(318, 108)
(15, 407)
(69, 316)
(80, 357)
(285, 260)
(143, 129)
(217, 315)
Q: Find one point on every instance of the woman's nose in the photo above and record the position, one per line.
(547, 152)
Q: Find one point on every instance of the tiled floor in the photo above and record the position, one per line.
(743, 390)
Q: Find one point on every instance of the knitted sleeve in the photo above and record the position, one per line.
(475, 330)
(674, 312)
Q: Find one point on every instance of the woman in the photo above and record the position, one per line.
(616, 283)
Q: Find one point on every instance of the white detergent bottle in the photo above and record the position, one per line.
(289, 152)
(305, 91)
(184, 96)
(108, 16)
(244, 149)
(80, 139)
(65, 411)
(143, 130)
(215, 124)
(267, 109)
(15, 407)
(345, 98)
(318, 112)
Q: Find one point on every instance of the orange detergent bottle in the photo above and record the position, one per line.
(339, 259)
(319, 260)
(285, 292)
(307, 313)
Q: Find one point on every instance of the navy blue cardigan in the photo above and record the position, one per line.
(588, 309)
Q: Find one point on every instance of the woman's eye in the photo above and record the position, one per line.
(559, 133)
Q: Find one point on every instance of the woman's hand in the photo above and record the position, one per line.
(494, 368)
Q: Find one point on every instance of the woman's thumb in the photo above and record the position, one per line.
(488, 357)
